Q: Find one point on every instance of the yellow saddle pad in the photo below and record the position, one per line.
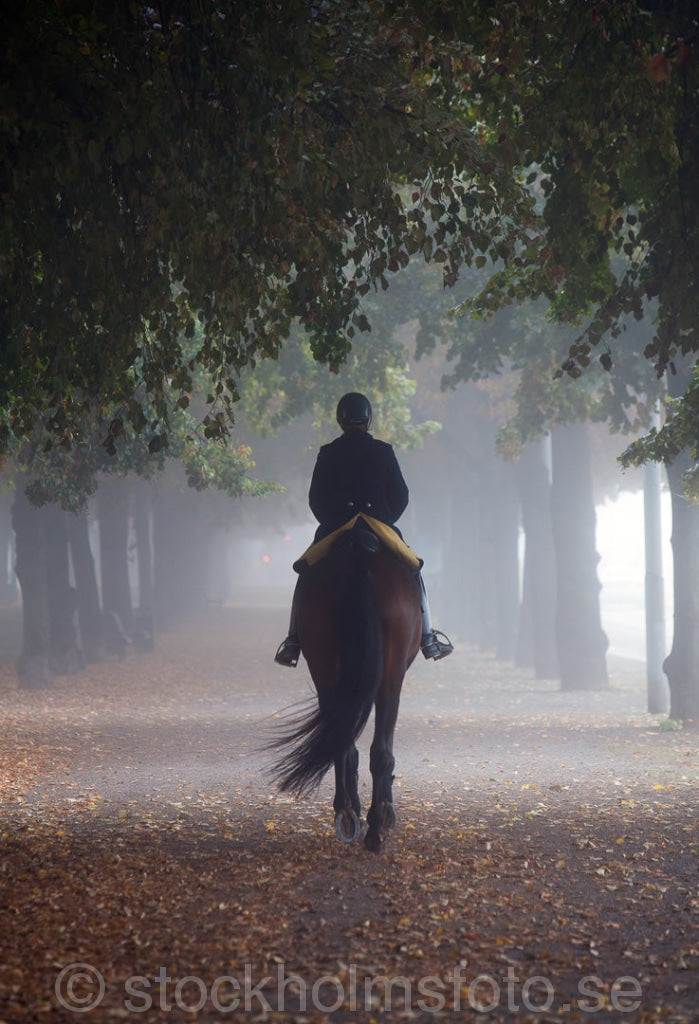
(386, 535)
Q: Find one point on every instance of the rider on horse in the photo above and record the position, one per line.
(357, 473)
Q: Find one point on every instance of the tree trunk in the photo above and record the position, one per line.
(30, 545)
(682, 664)
(499, 568)
(113, 508)
(66, 656)
(143, 626)
(461, 557)
(113, 499)
(89, 611)
(144, 547)
(8, 585)
(179, 553)
(582, 643)
(536, 646)
(657, 690)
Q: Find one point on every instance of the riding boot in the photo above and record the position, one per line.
(289, 650)
(431, 645)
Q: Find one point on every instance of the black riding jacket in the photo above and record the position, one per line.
(356, 473)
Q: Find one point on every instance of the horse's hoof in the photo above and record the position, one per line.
(373, 841)
(382, 821)
(347, 826)
(388, 816)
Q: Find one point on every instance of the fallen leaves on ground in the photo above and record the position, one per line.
(544, 865)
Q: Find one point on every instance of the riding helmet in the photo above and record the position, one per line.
(354, 410)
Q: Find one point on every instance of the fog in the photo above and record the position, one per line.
(243, 550)
(620, 542)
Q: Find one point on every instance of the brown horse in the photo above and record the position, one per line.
(359, 623)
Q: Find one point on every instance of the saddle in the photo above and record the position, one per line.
(371, 533)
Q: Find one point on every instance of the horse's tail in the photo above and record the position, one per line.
(343, 708)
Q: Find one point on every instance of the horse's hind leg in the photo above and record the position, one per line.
(346, 803)
(381, 816)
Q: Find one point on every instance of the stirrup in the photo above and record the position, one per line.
(288, 653)
(433, 647)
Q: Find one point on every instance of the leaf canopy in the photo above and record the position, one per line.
(231, 165)
(594, 106)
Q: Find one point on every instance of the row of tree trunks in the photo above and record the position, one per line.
(70, 618)
(556, 627)
(66, 621)
(559, 529)
(61, 622)
(559, 632)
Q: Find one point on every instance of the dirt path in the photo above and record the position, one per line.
(544, 865)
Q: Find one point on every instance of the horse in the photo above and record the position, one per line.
(359, 625)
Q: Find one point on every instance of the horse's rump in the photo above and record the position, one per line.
(358, 597)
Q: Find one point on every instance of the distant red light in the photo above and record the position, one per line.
(265, 559)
